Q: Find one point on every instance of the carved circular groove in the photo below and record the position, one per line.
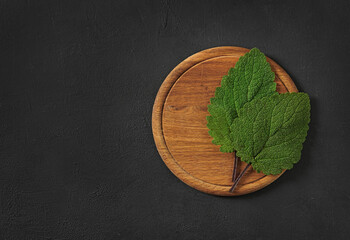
(179, 123)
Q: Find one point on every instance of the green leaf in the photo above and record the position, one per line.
(223, 112)
(270, 131)
(251, 78)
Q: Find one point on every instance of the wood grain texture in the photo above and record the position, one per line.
(179, 123)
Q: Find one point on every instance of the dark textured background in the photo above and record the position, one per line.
(78, 82)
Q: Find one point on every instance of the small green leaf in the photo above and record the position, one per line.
(223, 111)
(270, 131)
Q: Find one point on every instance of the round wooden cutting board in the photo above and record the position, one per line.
(179, 123)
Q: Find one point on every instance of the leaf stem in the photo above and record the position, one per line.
(239, 178)
(235, 164)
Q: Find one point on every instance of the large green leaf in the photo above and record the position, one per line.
(270, 131)
(250, 78)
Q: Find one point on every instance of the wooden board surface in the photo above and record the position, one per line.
(179, 123)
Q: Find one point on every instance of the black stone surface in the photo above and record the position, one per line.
(77, 84)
